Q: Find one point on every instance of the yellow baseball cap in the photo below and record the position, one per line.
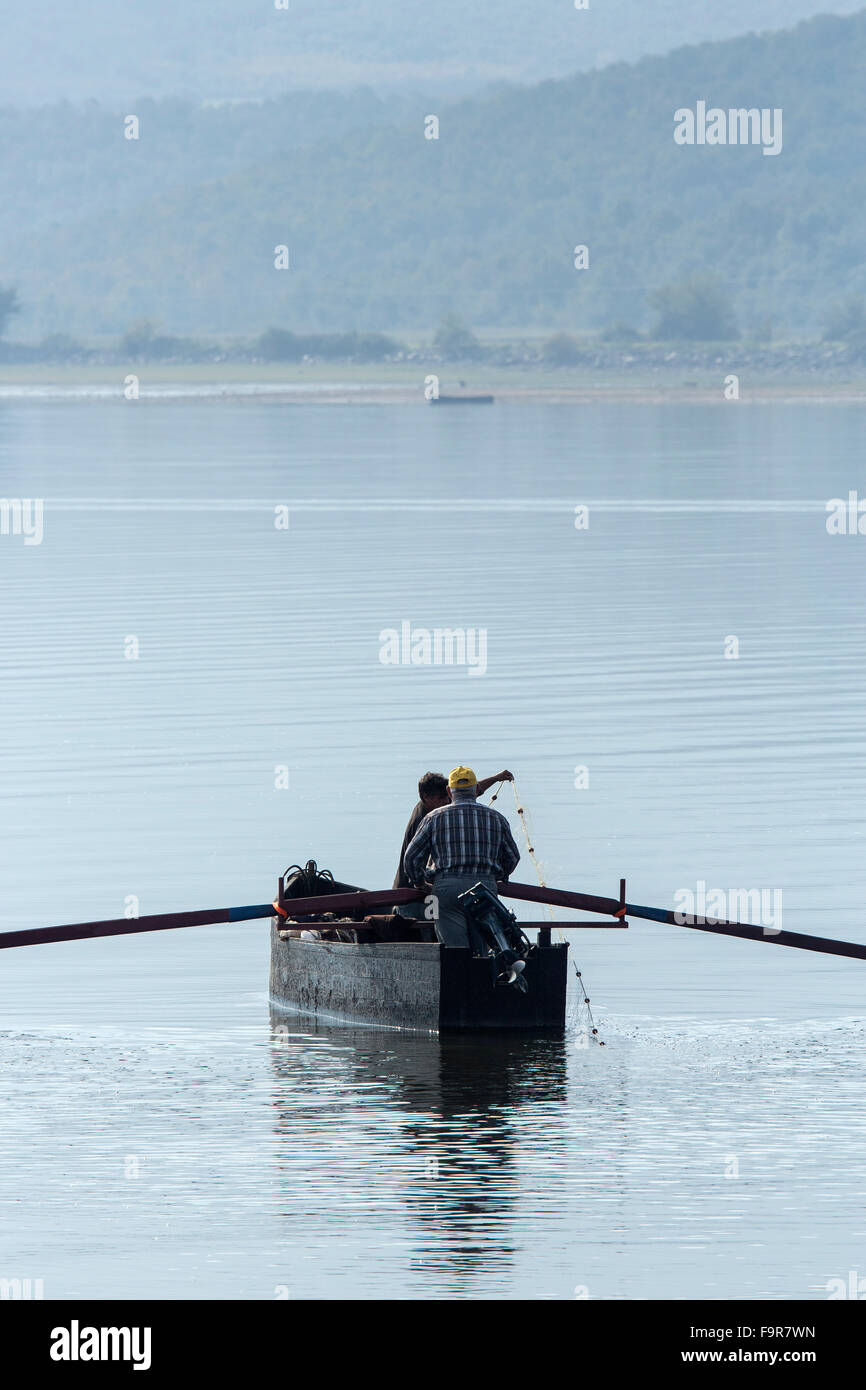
(462, 777)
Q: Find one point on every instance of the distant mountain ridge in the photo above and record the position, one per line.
(222, 49)
(387, 230)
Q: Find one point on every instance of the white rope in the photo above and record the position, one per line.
(522, 816)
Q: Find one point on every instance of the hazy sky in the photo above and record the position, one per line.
(115, 50)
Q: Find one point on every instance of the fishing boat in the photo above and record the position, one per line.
(347, 965)
(335, 958)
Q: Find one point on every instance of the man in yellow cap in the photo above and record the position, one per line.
(433, 793)
(467, 843)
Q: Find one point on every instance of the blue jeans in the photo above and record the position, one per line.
(451, 924)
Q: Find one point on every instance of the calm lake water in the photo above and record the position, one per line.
(159, 1136)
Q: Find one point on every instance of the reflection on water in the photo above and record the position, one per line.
(460, 1103)
(145, 1158)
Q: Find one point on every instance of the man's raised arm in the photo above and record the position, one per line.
(487, 782)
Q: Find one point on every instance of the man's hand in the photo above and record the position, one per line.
(504, 777)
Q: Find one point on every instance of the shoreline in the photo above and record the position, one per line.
(404, 384)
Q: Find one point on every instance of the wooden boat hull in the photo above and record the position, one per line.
(419, 986)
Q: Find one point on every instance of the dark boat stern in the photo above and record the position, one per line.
(470, 996)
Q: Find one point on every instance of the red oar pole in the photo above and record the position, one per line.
(557, 897)
(747, 931)
(129, 926)
(170, 921)
(360, 902)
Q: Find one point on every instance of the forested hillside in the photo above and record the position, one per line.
(388, 230)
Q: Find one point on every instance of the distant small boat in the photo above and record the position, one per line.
(464, 399)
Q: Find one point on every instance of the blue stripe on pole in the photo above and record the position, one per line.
(242, 914)
(655, 914)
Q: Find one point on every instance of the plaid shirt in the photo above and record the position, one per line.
(464, 838)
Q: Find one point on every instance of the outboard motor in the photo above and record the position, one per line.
(500, 936)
